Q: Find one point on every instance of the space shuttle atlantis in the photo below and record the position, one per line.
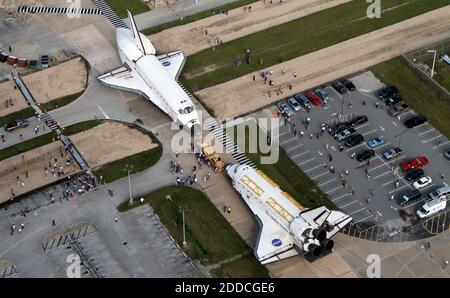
(152, 77)
(286, 227)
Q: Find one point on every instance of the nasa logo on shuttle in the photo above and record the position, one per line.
(276, 242)
(166, 63)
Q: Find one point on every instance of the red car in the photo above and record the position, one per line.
(313, 98)
(415, 163)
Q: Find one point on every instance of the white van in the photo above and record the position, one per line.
(432, 207)
(440, 192)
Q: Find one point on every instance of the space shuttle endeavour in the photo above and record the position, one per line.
(286, 227)
(152, 77)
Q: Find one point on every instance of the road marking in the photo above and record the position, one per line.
(299, 164)
(340, 197)
(354, 147)
(292, 148)
(330, 191)
(313, 168)
(376, 177)
(394, 123)
(322, 184)
(290, 140)
(357, 211)
(320, 153)
(103, 112)
(346, 205)
(429, 140)
(388, 182)
(366, 133)
(382, 128)
(398, 188)
(332, 147)
(425, 132)
(364, 218)
(381, 146)
(320, 175)
(379, 166)
(441, 144)
(421, 125)
(364, 125)
(300, 154)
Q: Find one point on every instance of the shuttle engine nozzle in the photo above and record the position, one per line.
(314, 249)
(319, 234)
(327, 244)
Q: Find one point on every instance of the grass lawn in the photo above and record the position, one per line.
(27, 145)
(59, 102)
(417, 91)
(290, 178)
(441, 69)
(210, 238)
(307, 34)
(121, 6)
(22, 114)
(244, 267)
(81, 126)
(140, 161)
(196, 17)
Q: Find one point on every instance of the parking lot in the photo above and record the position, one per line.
(364, 190)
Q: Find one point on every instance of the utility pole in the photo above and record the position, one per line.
(128, 168)
(434, 61)
(399, 141)
(184, 231)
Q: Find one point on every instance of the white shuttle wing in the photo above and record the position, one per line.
(125, 79)
(317, 215)
(273, 243)
(173, 63)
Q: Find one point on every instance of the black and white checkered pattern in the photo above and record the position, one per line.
(110, 14)
(65, 10)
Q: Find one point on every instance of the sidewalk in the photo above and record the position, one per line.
(181, 8)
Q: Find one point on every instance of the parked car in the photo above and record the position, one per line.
(391, 153)
(414, 174)
(415, 121)
(354, 140)
(365, 155)
(393, 100)
(422, 182)
(432, 207)
(19, 123)
(322, 94)
(443, 192)
(313, 98)
(339, 87)
(285, 109)
(386, 92)
(358, 120)
(344, 134)
(398, 109)
(447, 154)
(409, 197)
(303, 100)
(415, 163)
(337, 128)
(294, 104)
(349, 85)
(375, 142)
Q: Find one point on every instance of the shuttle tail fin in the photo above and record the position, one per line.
(137, 36)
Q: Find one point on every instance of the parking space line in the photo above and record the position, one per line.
(388, 182)
(385, 144)
(415, 128)
(292, 148)
(364, 125)
(331, 180)
(366, 133)
(308, 170)
(354, 147)
(429, 140)
(340, 197)
(320, 175)
(346, 205)
(445, 143)
(357, 211)
(379, 166)
(425, 132)
(306, 161)
(376, 177)
(397, 189)
(290, 140)
(364, 218)
(330, 191)
(300, 154)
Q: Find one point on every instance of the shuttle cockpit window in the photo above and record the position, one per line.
(186, 110)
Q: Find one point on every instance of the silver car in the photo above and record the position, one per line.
(447, 154)
(294, 104)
